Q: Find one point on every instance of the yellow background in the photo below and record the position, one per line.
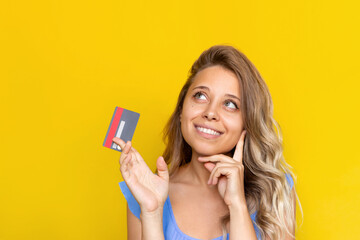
(65, 65)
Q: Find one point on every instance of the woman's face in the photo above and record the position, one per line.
(211, 120)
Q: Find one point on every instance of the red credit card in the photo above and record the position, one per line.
(122, 125)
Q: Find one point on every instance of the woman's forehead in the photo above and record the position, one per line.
(217, 79)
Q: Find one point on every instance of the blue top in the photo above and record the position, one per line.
(171, 229)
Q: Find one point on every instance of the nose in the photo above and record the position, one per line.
(210, 113)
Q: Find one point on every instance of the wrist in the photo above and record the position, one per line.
(239, 206)
(152, 225)
(156, 214)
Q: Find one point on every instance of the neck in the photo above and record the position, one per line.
(196, 171)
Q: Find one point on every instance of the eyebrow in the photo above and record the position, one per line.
(228, 95)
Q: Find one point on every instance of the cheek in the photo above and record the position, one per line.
(191, 111)
(235, 127)
(234, 123)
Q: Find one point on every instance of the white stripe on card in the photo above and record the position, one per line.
(118, 133)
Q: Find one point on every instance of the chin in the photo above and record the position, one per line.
(208, 151)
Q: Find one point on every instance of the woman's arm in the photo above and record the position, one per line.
(241, 226)
(149, 190)
(150, 226)
(133, 226)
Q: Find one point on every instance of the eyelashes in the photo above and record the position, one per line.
(198, 95)
(236, 107)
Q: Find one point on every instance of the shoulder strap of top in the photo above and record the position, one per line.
(290, 180)
(133, 204)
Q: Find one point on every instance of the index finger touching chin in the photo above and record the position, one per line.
(238, 154)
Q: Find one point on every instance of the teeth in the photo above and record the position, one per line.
(208, 131)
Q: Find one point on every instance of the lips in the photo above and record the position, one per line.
(208, 130)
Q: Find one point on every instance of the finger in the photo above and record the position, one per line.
(163, 171)
(213, 173)
(130, 148)
(134, 160)
(122, 158)
(125, 152)
(215, 170)
(221, 171)
(226, 170)
(136, 154)
(127, 147)
(216, 158)
(124, 167)
(238, 154)
(119, 142)
(209, 166)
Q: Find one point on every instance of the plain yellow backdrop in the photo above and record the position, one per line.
(65, 65)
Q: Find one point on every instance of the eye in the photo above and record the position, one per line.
(199, 95)
(231, 105)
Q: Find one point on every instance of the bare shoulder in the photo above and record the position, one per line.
(133, 226)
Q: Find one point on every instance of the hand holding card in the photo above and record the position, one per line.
(150, 190)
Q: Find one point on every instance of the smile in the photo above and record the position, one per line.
(207, 132)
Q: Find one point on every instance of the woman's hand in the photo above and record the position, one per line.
(228, 174)
(150, 190)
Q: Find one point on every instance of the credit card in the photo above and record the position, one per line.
(122, 125)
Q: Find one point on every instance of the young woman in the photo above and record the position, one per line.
(227, 177)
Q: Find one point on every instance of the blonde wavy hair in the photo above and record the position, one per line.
(266, 188)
